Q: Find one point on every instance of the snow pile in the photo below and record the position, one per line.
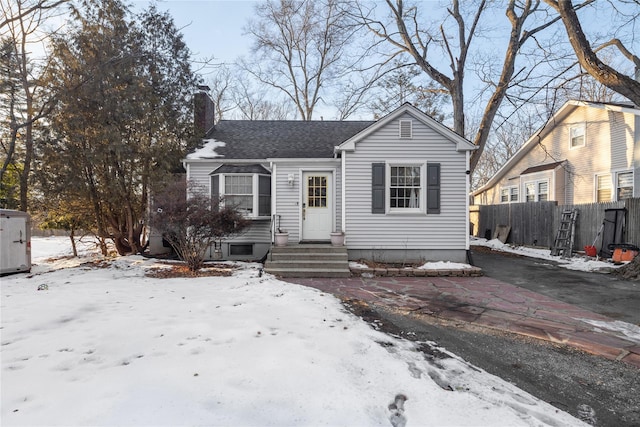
(438, 265)
(575, 263)
(444, 265)
(106, 345)
(207, 151)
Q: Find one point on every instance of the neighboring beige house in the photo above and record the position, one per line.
(587, 152)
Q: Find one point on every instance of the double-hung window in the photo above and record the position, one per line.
(509, 194)
(537, 191)
(577, 136)
(405, 189)
(238, 192)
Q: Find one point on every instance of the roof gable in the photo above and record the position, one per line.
(462, 144)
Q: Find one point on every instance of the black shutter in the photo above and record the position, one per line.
(433, 188)
(215, 191)
(377, 188)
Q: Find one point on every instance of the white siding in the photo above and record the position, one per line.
(446, 230)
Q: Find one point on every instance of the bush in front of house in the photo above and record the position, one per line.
(191, 221)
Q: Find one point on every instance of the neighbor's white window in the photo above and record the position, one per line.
(603, 188)
(509, 194)
(624, 185)
(537, 191)
(577, 136)
(405, 188)
(238, 192)
(543, 191)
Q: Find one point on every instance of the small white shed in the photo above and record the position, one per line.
(15, 242)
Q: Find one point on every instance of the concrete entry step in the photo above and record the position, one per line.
(308, 260)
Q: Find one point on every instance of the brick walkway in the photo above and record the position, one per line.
(489, 303)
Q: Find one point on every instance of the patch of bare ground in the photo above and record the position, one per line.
(180, 270)
(485, 249)
(376, 264)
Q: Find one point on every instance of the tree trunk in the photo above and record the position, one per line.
(614, 80)
(73, 243)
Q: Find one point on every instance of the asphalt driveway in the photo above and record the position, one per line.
(597, 292)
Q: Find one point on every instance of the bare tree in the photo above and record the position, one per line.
(23, 91)
(222, 86)
(252, 104)
(588, 58)
(300, 48)
(452, 40)
(28, 8)
(508, 135)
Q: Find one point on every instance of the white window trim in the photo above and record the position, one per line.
(423, 187)
(255, 183)
(582, 126)
(510, 189)
(536, 183)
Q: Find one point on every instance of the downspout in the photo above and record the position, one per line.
(274, 198)
(467, 215)
(343, 184)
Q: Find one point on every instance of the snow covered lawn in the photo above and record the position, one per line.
(106, 345)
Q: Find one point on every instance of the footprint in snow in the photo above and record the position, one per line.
(397, 417)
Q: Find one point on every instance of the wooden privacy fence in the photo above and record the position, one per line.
(536, 224)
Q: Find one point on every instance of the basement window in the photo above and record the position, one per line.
(241, 249)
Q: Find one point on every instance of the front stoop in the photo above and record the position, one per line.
(308, 260)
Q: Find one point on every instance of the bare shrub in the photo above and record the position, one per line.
(191, 221)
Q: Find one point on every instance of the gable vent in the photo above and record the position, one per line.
(406, 130)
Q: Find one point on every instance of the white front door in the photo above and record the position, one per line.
(317, 205)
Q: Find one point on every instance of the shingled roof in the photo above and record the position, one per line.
(264, 139)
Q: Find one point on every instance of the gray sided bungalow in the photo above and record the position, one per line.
(396, 187)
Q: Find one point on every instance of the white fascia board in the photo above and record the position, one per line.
(608, 107)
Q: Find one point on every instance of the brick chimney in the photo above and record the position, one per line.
(203, 111)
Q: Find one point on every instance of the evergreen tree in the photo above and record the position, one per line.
(123, 118)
